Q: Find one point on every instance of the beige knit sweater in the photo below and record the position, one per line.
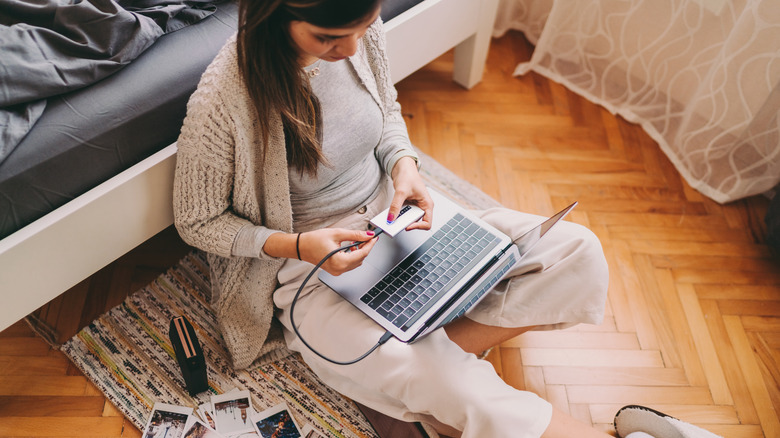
(221, 186)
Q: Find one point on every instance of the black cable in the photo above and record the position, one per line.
(381, 341)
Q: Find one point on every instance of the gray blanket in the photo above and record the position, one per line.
(49, 47)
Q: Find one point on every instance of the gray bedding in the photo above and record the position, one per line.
(85, 137)
(50, 47)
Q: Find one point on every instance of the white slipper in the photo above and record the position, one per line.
(635, 418)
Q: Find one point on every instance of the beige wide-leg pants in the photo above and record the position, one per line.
(562, 282)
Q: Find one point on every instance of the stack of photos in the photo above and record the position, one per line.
(228, 415)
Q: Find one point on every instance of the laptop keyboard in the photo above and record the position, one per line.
(412, 287)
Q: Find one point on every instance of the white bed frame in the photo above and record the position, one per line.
(54, 253)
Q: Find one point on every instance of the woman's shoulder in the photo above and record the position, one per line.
(223, 69)
(220, 87)
(375, 35)
(216, 103)
(372, 48)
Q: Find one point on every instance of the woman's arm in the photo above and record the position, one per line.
(395, 143)
(204, 176)
(395, 151)
(313, 246)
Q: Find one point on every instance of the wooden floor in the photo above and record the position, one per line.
(693, 318)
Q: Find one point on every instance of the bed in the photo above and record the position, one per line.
(93, 178)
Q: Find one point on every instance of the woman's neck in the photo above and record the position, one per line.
(307, 60)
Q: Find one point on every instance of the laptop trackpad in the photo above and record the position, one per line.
(353, 284)
(387, 253)
(390, 251)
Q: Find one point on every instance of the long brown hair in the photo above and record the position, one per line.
(269, 65)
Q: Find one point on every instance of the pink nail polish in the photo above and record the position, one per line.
(390, 218)
(370, 233)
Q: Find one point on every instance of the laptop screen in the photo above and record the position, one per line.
(529, 239)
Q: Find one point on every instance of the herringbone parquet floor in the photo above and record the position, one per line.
(693, 317)
(694, 299)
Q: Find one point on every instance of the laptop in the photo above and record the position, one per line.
(420, 280)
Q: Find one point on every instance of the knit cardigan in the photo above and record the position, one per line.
(221, 185)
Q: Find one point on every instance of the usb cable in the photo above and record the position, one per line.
(381, 341)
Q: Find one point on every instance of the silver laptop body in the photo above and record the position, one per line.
(410, 293)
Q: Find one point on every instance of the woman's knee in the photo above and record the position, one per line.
(586, 255)
(585, 243)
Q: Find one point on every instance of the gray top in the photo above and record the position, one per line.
(352, 129)
(358, 145)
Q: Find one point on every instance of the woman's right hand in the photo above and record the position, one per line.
(315, 245)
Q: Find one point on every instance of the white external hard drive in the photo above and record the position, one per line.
(408, 215)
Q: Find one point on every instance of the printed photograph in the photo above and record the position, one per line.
(204, 411)
(231, 412)
(310, 432)
(276, 422)
(167, 421)
(198, 429)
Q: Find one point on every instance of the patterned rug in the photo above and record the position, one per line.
(127, 354)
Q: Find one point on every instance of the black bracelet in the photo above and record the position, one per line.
(297, 247)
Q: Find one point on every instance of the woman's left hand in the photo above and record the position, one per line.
(410, 189)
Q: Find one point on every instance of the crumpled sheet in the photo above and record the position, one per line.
(50, 47)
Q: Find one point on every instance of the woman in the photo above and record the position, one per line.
(292, 142)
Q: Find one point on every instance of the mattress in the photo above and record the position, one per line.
(392, 8)
(85, 137)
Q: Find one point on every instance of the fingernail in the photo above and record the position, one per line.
(370, 233)
(390, 218)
